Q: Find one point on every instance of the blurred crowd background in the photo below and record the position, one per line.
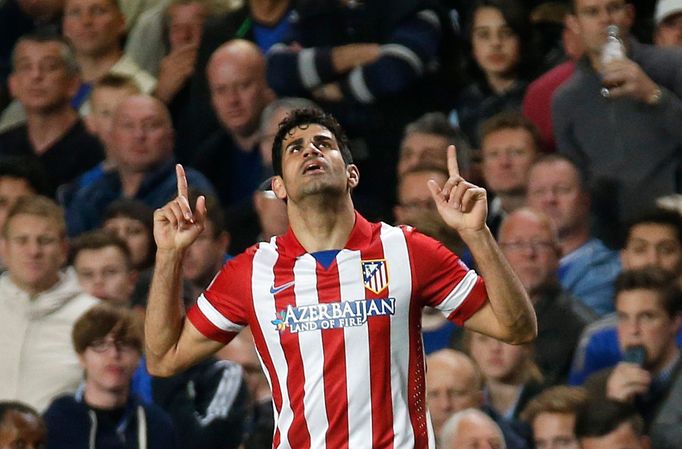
(580, 150)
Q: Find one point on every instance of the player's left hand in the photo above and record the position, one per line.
(461, 204)
(629, 79)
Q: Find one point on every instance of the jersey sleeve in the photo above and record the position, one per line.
(222, 310)
(442, 281)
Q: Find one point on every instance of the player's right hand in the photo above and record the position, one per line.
(176, 227)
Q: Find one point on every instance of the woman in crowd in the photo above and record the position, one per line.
(499, 36)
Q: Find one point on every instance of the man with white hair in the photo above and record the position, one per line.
(471, 428)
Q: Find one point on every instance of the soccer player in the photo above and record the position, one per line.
(334, 305)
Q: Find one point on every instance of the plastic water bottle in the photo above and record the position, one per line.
(613, 50)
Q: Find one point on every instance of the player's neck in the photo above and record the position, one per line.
(321, 227)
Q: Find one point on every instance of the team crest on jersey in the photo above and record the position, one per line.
(375, 274)
(333, 315)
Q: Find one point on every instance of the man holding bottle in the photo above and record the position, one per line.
(630, 139)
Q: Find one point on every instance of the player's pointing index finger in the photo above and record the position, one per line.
(182, 181)
(453, 168)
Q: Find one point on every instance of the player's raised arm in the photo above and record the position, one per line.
(509, 314)
(172, 343)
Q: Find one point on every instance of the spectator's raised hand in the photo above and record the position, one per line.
(628, 79)
(175, 69)
(176, 227)
(626, 381)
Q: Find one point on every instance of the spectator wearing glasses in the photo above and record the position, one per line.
(103, 412)
(45, 76)
(529, 241)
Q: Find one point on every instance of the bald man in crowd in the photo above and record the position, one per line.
(529, 241)
(231, 158)
(453, 383)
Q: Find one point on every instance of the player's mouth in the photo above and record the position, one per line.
(313, 167)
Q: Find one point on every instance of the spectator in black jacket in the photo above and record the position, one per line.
(500, 64)
(103, 413)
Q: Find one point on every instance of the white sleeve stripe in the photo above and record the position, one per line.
(431, 17)
(359, 87)
(215, 317)
(404, 53)
(458, 294)
(306, 68)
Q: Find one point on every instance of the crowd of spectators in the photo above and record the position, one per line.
(581, 158)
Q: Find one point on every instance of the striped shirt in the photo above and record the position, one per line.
(341, 346)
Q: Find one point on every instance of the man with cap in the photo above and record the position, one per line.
(668, 20)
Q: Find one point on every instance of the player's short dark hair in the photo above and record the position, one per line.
(659, 216)
(299, 118)
(655, 279)
(600, 417)
(98, 239)
(26, 168)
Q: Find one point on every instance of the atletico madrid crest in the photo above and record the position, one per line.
(375, 274)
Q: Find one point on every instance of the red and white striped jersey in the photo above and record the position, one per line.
(341, 346)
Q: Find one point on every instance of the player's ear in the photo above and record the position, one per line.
(353, 175)
(278, 187)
